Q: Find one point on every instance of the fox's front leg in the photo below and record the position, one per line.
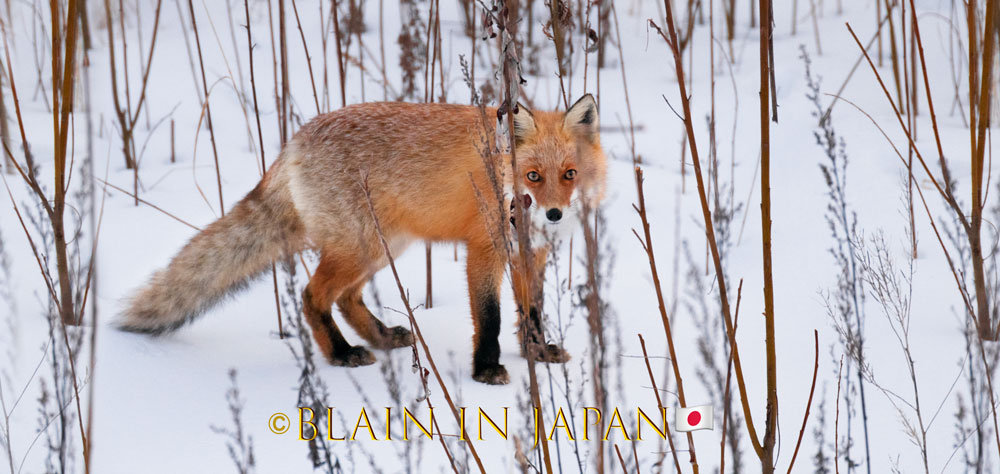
(484, 269)
(530, 331)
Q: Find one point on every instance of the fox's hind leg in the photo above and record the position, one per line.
(335, 274)
(352, 305)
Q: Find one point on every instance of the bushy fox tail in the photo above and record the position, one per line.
(219, 261)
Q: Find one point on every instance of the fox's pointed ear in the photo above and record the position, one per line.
(524, 124)
(581, 119)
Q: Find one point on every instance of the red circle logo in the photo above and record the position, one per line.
(694, 418)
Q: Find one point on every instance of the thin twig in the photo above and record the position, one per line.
(805, 417)
(413, 320)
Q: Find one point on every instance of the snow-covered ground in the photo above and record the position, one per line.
(156, 399)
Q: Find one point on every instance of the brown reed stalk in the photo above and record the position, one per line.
(305, 49)
(621, 460)
(836, 422)
(966, 299)
(878, 33)
(208, 108)
(647, 245)
(560, 42)
(340, 55)
(126, 117)
(795, 16)
(260, 141)
(983, 330)
(64, 52)
(510, 77)
(49, 284)
(431, 45)
(972, 225)
(173, 154)
(93, 326)
(893, 53)
(659, 402)
(29, 177)
(726, 391)
(279, 65)
(815, 22)
(909, 90)
(428, 57)
(671, 41)
(628, 103)
(62, 101)
(986, 329)
(771, 415)
(731, 22)
(805, 417)
(850, 74)
(973, 42)
(154, 206)
(597, 339)
(443, 96)
(4, 129)
(413, 321)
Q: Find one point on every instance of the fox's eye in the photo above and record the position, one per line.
(534, 177)
(570, 174)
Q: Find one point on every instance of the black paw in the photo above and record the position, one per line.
(355, 356)
(492, 375)
(395, 337)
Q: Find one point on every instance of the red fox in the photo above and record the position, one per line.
(421, 161)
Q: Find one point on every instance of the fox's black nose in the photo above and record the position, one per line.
(553, 214)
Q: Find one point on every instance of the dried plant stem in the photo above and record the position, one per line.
(62, 102)
(260, 141)
(709, 226)
(986, 329)
(726, 391)
(126, 117)
(659, 402)
(771, 415)
(413, 320)
(836, 421)
(850, 74)
(510, 77)
(948, 197)
(154, 206)
(628, 103)
(340, 58)
(893, 54)
(5, 134)
(812, 13)
(972, 225)
(559, 39)
(647, 245)
(305, 49)
(805, 417)
(208, 108)
(621, 460)
(173, 153)
(429, 64)
(64, 51)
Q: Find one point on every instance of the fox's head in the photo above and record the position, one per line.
(559, 156)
